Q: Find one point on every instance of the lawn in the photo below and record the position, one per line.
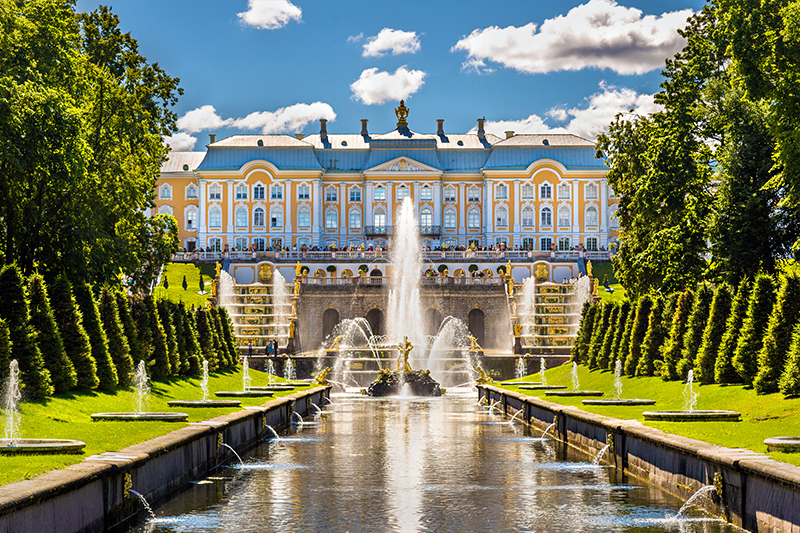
(605, 272)
(174, 273)
(67, 416)
(763, 416)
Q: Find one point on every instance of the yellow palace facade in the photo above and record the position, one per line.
(255, 192)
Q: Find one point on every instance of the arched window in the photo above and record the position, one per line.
(276, 192)
(331, 194)
(527, 217)
(380, 193)
(426, 218)
(215, 192)
(450, 218)
(191, 192)
(166, 192)
(402, 193)
(527, 191)
(331, 220)
(450, 194)
(355, 220)
(546, 218)
(260, 243)
(501, 216)
(276, 218)
(304, 217)
(258, 217)
(426, 193)
(258, 192)
(240, 243)
(502, 192)
(379, 218)
(474, 219)
(215, 244)
(241, 217)
(355, 194)
(563, 191)
(591, 244)
(545, 192)
(612, 215)
(591, 216)
(191, 218)
(473, 194)
(165, 209)
(591, 191)
(215, 218)
(241, 192)
(303, 192)
(563, 216)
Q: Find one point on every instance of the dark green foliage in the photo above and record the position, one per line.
(180, 337)
(670, 305)
(202, 284)
(159, 356)
(778, 336)
(224, 354)
(165, 317)
(76, 340)
(144, 334)
(580, 350)
(184, 284)
(706, 358)
(205, 337)
(638, 331)
(599, 333)
(106, 371)
(228, 335)
(673, 347)
(623, 317)
(166, 282)
(192, 346)
(724, 372)
(5, 351)
(790, 378)
(14, 309)
(751, 338)
(625, 341)
(694, 330)
(62, 372)
(118, 347)
(128, 328)
(653, 340)
(604, 357)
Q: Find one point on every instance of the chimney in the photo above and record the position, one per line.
(481, 131)
(299, 136)
(440, 127)
(323, 129)
(509, 134)
(212, 138)
(364, 131)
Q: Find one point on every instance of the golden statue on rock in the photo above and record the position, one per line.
(474, 346)
(517, 329)
(402, 360)
(335, 344)
(482, 377)
(298, 270)
(322, 377)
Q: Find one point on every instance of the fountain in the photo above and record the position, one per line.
(575, 387)
(519, 372)
(205, 402)
(542, 385)
(689, 414)
(289, 370)
(142, 388)
(783, 444)
(695, 496)
(404, 379)
(270, 372)
(11, 441)
(618, 392)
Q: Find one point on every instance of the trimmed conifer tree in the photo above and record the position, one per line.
(789, 382)
(180, 336)
(706, 358)
(205, 336)
(76, 341)
(625, 342)
(778, 337)
(582, 341)
(5, 351)
(694, 330)
(192, 344)
(159, 356)
(604, 356)
(598, 333)
(184, 284)
(106, 371)
(34, 376)
(62, 372)
(619, 332)
(670, 305)
(229, 335)
(653, 339)
(165, 316)
(118, 346)
(219, 339)
(751, 338)
(128, 327)
(724, 372)
(144, 335)
(638, 331)
(672, 350)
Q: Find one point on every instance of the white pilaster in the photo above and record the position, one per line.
(343, 229)
(317, 222)
(604, 209)
(229, 226)
(517, 226)
(368, 197)
(462, 208)
(201, 211)
(287, 216)
(389, 206)
(576, 228)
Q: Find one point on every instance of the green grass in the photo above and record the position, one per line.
(763, 416)
(600, 271)
(174, 272)
(68, 416)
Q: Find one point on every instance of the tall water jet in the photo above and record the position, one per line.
(519, 372)
(141, 385)
(689, 395)
(270, 372)
(204, 382)
(575, 383)
(449, 360)
(542, 369)
(225, 292)
(282, 307)
(405, 310)
(289, 371)
(11, 398)
(247, 381)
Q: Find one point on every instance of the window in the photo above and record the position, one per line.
(426, 193)
(546, 218)
(474, 219)
(331, 219)
(165, 209)
(502, 192)
(612, 216)
(527, 191)
(563, 191)
(591, 244)
(258, 192)
(240, 243)
(501, 217)
(591, 216)
(379, 219)
(166, 192)
(450, 194)
(355, 194)
(304, 217)
(215, 192)
(545, 192)
(563, 216)
(473, 194)
(215, 218)
(260, 244)
(191, 219)
(191, 192)
(563, 244)
(450, 219)
(276, 192)
(276, 218)
(611, 193)
(258, 217)
(215, 244)
(355, 219)
(591, 191)
(276, 243)
(527, 243)
(545, 244)
(402, 193)
(527, 217)
(380, 193)
(241, 217)
(331, 194)
(241, 192)
(426, 218)
(304, 192)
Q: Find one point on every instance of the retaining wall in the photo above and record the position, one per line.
(91, 496)
(753, 491)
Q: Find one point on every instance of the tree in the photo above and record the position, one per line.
(14, 310)
(76, 341)
(580, 350)
(118, 347)
(205, 335)
(62, 372)
(193, 352)
(604, 356)
(789, 382)
(706, 358)
(106, 371)
(673, 348)
(599, 333)
(778, 336)
(694, 330)
(159, 361)
(202, 284)
(184, 284)
(623, 317)
(144, 332)
(5, 351)
(228, 335)
(165, 316)
(640, 323)
(176, 310)
(653, 340)
(724, 371)
(129, 328)
(751, 339)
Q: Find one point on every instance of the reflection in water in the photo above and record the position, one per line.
(408, 465)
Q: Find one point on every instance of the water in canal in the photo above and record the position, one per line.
(418, 465)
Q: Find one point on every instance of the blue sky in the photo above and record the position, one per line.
(277, 66)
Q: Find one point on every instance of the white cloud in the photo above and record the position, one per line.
(286, 119)
(532, 124)
(373, 87)
(181, 142)
(598, 34)
(355, 38)
(270, 14)
(202, 118)
(389, 40)
(478, 65)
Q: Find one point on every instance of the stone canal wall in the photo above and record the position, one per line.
(754, 491)
(91, 496)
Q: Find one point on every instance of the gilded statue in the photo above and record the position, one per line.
(474, 346)
(589, 268)
(514, 308)
(402, 360)
(482, 377)
(508, 268)
(294, 307)
(297, 287)
(322, 377)
(335, 344)
(298, 270)
(517, 329)
(402, 114)
(214, 288)
(265, 271)
(511, 286)
(291, 329)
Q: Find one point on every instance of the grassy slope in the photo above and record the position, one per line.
(763, 416)
(600, 271)
(67, 416)
(175, 272)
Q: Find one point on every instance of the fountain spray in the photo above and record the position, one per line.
(689, 395)
(575, 383)
(204, 382)
(246, 379)
(542, 368)
(618, 378)
(11, 398)
(142, 386)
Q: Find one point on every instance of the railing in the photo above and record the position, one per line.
(382, 280)
(377, 230)
(430, 231)
(366, 255)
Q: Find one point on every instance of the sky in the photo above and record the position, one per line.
(278, 66)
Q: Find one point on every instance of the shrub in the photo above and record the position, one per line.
(118, 347)
(580, 349)
(619, 332)
(165, 317)
(751, 338)
(673, 347)
(144, 334)
(778, 336)
(228, 335)
(106, 371)
(724, 372)
(205, 336)
(5, 351)
(789, 382)
(159, 357)
(694, 330)
(598, 333)
(653, 340)
(706, 358)
(604, 356)
(192, 345)
(639, 330)
(76, 340)
(625, 341)
(184, 284)
(62, 372)
(129, 328)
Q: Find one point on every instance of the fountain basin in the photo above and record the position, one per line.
(243, 393)
(542, 387)
(574, 393)
(416, 383)
(783, 444)
(41, 446)
(204, 403)
(520, 383)
(617, 401)
(272, 388)
(692, 416)
(133, 417)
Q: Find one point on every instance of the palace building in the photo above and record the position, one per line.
(254, 192)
